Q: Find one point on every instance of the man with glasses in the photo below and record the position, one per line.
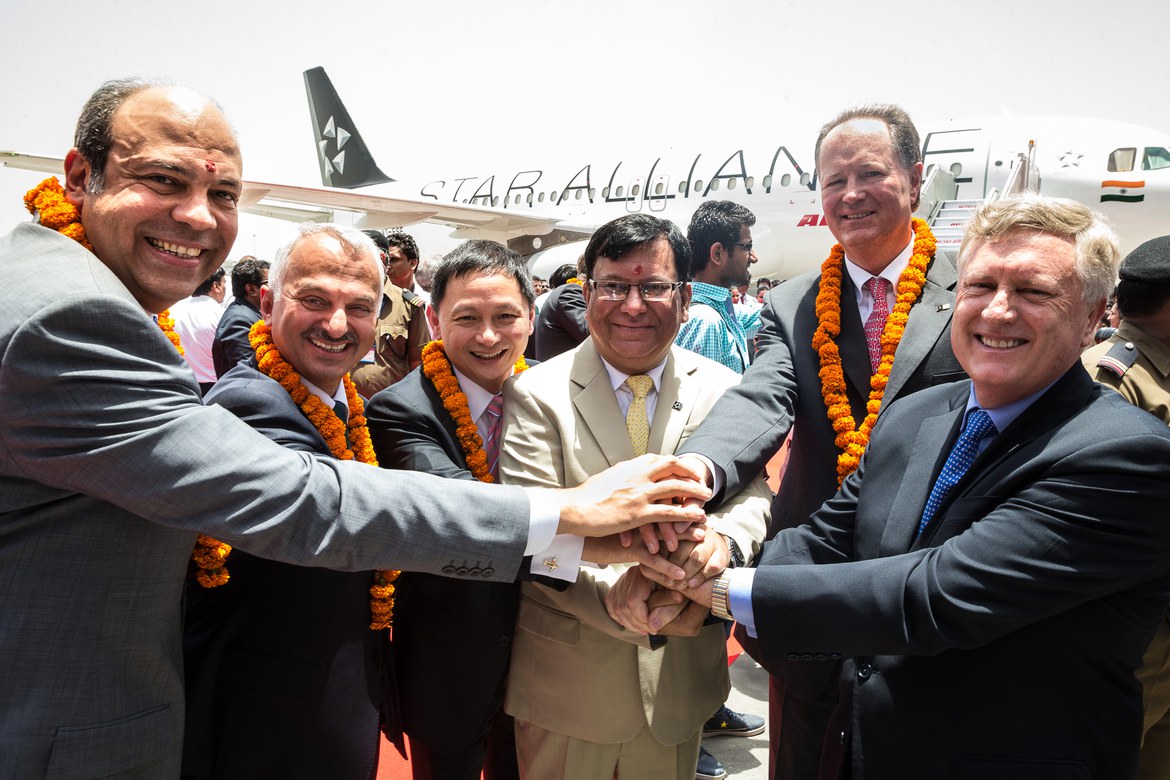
(721, 245)
(591, 698)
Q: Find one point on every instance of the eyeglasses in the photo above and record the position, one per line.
(746, 247)
(650, 291)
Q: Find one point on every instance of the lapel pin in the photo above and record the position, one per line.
(942, 307)
(677, 406)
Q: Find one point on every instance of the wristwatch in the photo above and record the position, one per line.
(719, 607)
(737, 559)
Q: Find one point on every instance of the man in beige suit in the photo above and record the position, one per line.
(591, 698)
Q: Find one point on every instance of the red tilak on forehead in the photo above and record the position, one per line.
(210, 166)
(637, 270)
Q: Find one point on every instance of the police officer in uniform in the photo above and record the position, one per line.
(1136, 363)
(400, 336)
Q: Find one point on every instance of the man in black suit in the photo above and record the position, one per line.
(1000, 557)
(870, 165)
(230, 345)
(561, 325)
(452, 645)
(285, 677)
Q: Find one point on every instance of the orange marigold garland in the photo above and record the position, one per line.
(437, 368)
(47, 202)
(850, 439)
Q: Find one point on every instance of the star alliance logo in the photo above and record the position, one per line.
(1069, 159)
(339, 136)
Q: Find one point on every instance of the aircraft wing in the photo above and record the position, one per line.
(301, 204)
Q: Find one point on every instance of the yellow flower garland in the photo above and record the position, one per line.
(437, 368)
(850, 439)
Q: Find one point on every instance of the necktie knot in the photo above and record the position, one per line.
(878, 288)
(342, 411)
(979, 427)
(637, 421)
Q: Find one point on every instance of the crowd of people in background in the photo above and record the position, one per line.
(963, 573)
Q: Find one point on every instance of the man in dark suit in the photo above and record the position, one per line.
(110, 464)
(285, 677)
(230, 345)
(561, 325)
(870, 167)
(999, 558)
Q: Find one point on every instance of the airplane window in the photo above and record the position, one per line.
(496, 200)
(619, 191)
(785, 180)
(1122, 159)
(636, 190)
(731, 184)
(751, 182)
(553, 196)
(1155, 157)
(592, 193)
(714, 185)
(658, 188)
(579, 194)
(682, 188)
(698, 185)
(767, 181)
(540, 198)
(605, 192)
(804, 179)
(529, 199)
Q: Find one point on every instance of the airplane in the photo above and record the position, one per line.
(547, 212)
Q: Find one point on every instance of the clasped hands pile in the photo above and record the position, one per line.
(656, 503)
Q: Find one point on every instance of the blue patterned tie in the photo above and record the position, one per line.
(979, 427)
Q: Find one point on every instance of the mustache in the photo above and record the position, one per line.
(320, 335)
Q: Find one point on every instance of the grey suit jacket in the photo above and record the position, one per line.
(1002, 643)
(109, 466)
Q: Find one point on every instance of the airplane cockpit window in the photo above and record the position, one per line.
(1122, 159)
(1155, 157)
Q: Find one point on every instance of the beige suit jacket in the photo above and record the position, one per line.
(574, 670)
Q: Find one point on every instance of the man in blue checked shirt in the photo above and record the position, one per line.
(721, 242)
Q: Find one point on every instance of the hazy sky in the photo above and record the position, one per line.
(436, 86)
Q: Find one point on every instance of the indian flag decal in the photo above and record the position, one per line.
(1122, 191)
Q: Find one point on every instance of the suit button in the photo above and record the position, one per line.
(489, 571)
(864, 671)
(448, 569)
(806, 656)
(792, 657)
(474, 571)
(461, 571)
(821, 657)
(504, 640)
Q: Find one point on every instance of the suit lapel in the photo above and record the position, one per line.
(675, 401)
(928, 319)
(934, 435)
(594, 400)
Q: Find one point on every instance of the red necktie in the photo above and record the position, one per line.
(877, 287)
(491, 447)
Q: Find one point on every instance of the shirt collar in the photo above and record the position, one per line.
(1004, 416)
(890, 273)
(325, 397)
(618, 378)
(477, 397)
(712, 292)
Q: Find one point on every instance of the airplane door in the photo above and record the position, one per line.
(964, 152)
(636, 192)
(659, 192)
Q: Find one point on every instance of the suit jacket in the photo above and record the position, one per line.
(284, 676)
(441, 625)
(109, 467)
(1002, 643)
(561, 325)
(574, 670)
(230, 345)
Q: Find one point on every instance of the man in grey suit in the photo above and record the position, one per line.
(870, 167)
(997, 564)
(110, 465)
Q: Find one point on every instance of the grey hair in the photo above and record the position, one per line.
(356, 244)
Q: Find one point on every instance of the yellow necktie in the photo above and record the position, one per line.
(637, 422)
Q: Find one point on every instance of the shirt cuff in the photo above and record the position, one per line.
(544, 515)
(561, 560)
(739, 597)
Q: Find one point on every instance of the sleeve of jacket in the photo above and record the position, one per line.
(111, 410)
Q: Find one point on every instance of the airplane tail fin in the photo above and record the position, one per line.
(345, 160)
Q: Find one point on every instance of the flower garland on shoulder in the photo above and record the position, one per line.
(851, 439)
(47, 202)
(437, 368)
(210, 555)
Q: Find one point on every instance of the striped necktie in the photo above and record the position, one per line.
(493, 416)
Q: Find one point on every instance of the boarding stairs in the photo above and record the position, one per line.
(948, 215)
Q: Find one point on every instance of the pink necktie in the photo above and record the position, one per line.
(877, 287)
(491, 447)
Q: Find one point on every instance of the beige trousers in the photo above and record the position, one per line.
(545, 755)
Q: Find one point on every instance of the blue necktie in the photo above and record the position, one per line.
(979, 427)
